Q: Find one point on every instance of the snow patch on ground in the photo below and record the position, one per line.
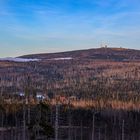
(32, 60)
(62, 58)
(18, 59)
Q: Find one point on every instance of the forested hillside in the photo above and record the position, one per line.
(87, 95)
(108, 74)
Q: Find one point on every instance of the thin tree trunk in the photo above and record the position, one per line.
(75, 134)
(93, 122)
(81, 127)
(56, 123)
(69, 133)
(24, 123)
(2, 125)
(105, 132)
(29, 113)
(123, 130)
(99, 134)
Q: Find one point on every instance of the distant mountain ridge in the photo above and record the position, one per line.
(118, 54)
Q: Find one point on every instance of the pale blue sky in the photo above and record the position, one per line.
(39, 26)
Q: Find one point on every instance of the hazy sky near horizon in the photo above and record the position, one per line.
(37, 26)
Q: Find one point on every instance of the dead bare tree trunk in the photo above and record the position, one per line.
(75, 132)
(2, 125)
(105, 132)
(81, 127)
(69, 119)
(56, 122)
(123, 130)
(93, 122)
(29, 113)
(24, 122)
(99, 134)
